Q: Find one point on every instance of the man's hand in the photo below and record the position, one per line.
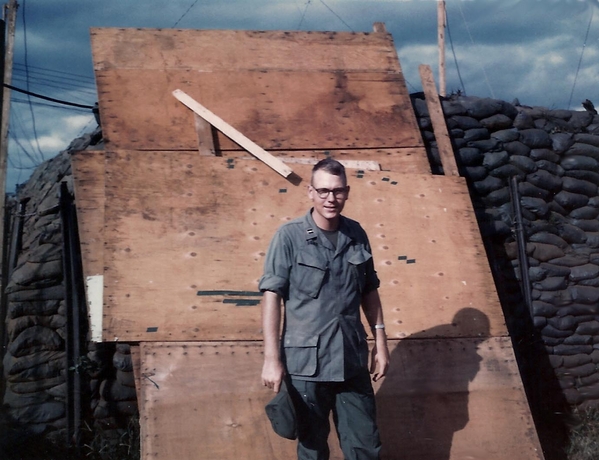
(272, 374)
(380, 357)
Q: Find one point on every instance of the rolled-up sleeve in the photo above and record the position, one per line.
(277, 266)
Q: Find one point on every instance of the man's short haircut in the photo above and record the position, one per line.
(330, 166)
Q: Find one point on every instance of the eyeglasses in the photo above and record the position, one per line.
(340, 192)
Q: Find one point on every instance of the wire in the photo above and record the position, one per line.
(584, 45)
(185, 14)
(455, 59)
(27, 84)
(472, 40)
(58, 101)
(338, 17)
(299, 26)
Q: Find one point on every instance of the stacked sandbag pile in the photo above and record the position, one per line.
(35, 367)
(35, 362)
(555, 156)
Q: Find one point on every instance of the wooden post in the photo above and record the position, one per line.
(435, 111)
(10, 16)
(441, 32)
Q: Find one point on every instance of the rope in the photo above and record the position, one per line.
(584, 45)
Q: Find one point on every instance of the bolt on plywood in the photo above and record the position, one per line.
(434, 404)
(284, 90)
(186, 237)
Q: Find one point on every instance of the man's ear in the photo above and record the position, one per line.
(347, 193)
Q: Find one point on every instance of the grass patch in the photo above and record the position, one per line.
(584, 435)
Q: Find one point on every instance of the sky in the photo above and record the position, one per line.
(542, 52)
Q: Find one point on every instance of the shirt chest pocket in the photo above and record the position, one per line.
(357, 264)
(309, 274)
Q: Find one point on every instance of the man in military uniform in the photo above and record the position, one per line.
(321, 266)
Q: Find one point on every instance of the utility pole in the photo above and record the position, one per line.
(7, 42)
(441, 24)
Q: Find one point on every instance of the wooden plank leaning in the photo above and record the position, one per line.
(438, 120)
(233, 134)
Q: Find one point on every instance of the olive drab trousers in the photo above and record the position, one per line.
(354, 414)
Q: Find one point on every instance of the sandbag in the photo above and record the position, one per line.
(488, 185)
(588, 225)
(584, 272)
(469, 156)
(494, 160)
(584, 370)
(589, 176)
(13, 365)
(551, 331)
(572, 349)
(588, 328)
(544, 154)
(516, 148)
(583, 150)
(44, 253)
(475, 173)
(535, 138)
(580, 119)
(560, 142)
(587, 139)
(424, 123)
(545, 252)
(571, 184)
(16, 400)
(496, 122)
(528, 189)
(523, 121)
(48, 293)
(486, 145)
(32, 307)
(508, 171)
(420, 107)
(38, 385)
(497, 197)
(506, 135)
(524, 163)
(43, 371)
(476, 134)
(571, 260)
(569, 200)
(456, 133)
(593, 239)
(585, 213)
(548, 238)
(545, 180)
(579, 162)
(451, 108)
(34, 339)
(111, 390)
(550, 166)
(545, 309)
(594, 282)
(38, 413)
(122, 362)
(465, 122)
(564, 323)
(35, 275)
(537, 274)
(552, 283)
(481, 107)
(537, 206)
(15, 326)
(584, 294)
(594, 201)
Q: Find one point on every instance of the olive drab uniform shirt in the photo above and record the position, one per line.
(321, 287)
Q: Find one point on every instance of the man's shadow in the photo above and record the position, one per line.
(423, 400)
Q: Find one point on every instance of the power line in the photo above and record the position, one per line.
(455, 58)
(27, 83)
(58, 101)
(338, 17)
(185, 14)
(299, 26)
(584, 45)
(472, 41)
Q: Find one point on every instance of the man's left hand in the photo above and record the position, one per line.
(379, 359)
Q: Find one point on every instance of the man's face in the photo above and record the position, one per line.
(327, 208)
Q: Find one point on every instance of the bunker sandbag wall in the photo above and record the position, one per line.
(554, 154)
(35, 365)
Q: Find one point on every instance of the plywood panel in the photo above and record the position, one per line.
(451, 399)
(276, 109)
(238, 50)
(179, 224)
(88, 179)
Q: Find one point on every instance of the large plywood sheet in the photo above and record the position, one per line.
(88, 178)
(284, 90)
(186, 237)
(443, 400)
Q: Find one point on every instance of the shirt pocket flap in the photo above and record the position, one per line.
(311, 260)
(359, 256)
(301, 341)
(301, 355)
